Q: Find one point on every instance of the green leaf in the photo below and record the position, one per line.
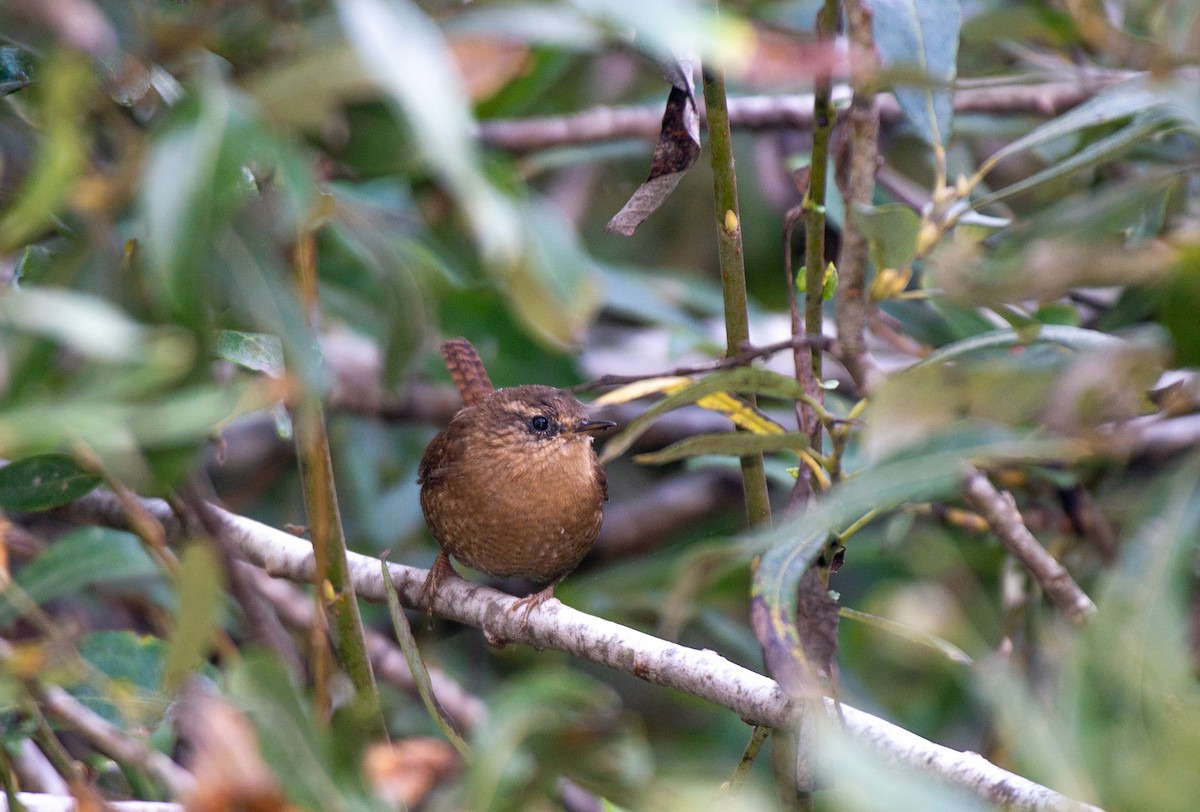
(891, 231)
(1113, 104)
(739, 444)
(922, 35)
(81, 558)
(1075, 338)
(749, 379)
(201, 598)
(66, 83)
(43, 482)
(412, 655)
(1099, 151)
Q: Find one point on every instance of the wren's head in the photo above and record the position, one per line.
(540, 418)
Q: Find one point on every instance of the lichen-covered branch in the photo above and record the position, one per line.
(706, 674)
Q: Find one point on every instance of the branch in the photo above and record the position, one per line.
(1000, 511)
(705, 674)
(858, 156)
(111, 741)
(600, 124)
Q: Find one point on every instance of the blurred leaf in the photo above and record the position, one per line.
(81, 558)
(538, 727)
(85, 323)
(133, 664)
(862, 779)
(43, 482)
(668, 28)
(15, 69)
(1075, 338)
(1116, 103)
(66, 83)
(553, 292)
(736, 443)
(921, 35)
(202, 171)
(422, 78)
(1180, 303)
(300, 754)
(1103, 149)
(258, 352)
(891, 230)
(1139, 713)
(201, 594)
(308, 90)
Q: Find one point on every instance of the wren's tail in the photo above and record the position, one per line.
(466, 370)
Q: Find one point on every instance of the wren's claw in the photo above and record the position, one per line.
(531, 602)
(438, 573)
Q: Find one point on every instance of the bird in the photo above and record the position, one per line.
(512, 486)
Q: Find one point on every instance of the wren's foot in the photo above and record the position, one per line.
(438, 573)
(531, 602)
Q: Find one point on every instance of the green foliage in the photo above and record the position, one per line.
(87, 556)
(41, 483)
(922, 38)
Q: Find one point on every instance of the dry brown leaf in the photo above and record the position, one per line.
(230, 771)
(406, 771)
(487, 64)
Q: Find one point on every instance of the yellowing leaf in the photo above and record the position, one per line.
(640, 389)
(740, 412)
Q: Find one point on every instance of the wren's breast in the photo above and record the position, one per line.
(531, 515)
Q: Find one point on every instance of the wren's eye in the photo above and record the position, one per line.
(539, 423)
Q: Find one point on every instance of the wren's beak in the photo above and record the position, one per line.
(592, 426)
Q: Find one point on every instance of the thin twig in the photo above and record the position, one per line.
(333, 586)
(999, 509)
(795, 112)
(746, 353)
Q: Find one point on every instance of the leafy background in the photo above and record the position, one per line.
(165, 166)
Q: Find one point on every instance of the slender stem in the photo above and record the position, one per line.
(733, 271)
(333, 585)
(824, 118)
(757, 737)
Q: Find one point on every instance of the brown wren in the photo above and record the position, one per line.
(512, 486)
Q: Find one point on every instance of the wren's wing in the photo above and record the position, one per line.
(467, 370)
